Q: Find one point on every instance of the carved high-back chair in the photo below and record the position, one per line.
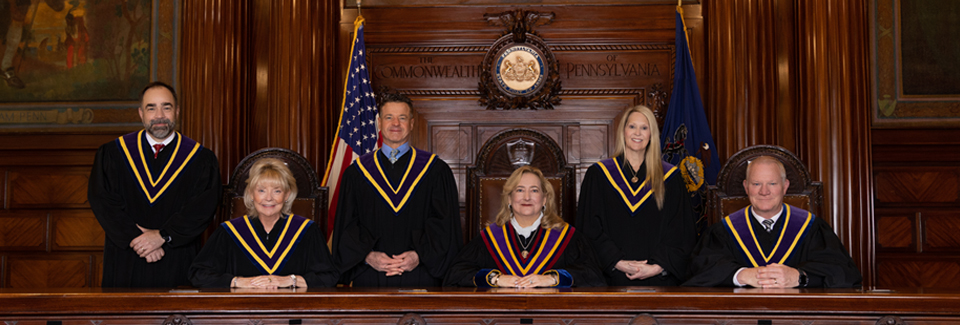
(728, 195)
(498, 158)
(311, 201)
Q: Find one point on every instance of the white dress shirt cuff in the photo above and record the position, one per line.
(735, 275)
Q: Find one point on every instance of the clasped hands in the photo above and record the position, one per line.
(638, 270)
(530, 281)
(148, 245)
(267, 282)
(770, 276)
(393, 265)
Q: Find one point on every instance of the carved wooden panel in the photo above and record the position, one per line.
(917, 179)
(48, 271)
(49, 187)
(446, 141)
(942, 231)
(909, 185)
(76, 230)
(573, 145)
(902, 272)
(895, 232)
(23, 231)
(465, 144)
(595, 141)
(485, 132)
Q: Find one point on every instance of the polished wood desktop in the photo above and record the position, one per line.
(608, 305)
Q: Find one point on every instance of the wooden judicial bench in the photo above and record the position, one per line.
(608, 305)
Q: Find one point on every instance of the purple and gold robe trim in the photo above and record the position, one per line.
(548, 247)
(153, 187)
(794, 228)
(633, 198)
(396, 197)
(268, 261)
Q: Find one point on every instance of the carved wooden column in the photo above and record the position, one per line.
(216, 78)
(743, 74)
(297, 88)
(259, 73)
(782, 72)
(833, 99)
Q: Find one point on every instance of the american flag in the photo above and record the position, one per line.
(357, 132)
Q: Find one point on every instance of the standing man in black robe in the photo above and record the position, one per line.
(154, 192)
(398, 216)
(770, 244)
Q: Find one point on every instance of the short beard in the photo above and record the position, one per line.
(161, 132)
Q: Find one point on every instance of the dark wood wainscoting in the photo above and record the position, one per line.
(49, 237)
(917, 197)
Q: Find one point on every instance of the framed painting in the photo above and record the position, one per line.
(80, 64)
(916, 62)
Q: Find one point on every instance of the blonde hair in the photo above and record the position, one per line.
(550, 217)
(651, 154)
(270, 172)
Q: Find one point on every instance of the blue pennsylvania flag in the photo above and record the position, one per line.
(686, 138)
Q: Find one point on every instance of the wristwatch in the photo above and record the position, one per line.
(803, 279)
(493, 278)
(166, 237)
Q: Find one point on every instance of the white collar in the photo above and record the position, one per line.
(774, 218)
(165, 142)
(525, 231)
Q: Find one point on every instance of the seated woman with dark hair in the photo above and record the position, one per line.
(268, 247)
(529, 245)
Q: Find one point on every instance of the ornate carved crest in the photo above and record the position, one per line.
(520, 152)
(657, 101)
(519, 71)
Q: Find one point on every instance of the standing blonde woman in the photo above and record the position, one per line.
(635, 209)
(529, 245)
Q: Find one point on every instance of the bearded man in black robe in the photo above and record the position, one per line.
(154, 192)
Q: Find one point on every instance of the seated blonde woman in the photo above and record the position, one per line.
(529, 245)
(269, 247)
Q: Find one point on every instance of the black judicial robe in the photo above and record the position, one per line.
(223, 258)
(820, 253)
(664, 237)
(428, 222)
(183, 210)
(577, 263)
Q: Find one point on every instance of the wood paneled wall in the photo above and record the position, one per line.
(917, 195)
(781, 72)
(48, 235)
(261, 73)
(452, 123)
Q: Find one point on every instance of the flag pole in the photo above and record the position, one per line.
(358, 8)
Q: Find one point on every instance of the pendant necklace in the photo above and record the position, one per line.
(627, 166)
(525, 252)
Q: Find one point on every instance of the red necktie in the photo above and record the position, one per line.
(156, 150)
